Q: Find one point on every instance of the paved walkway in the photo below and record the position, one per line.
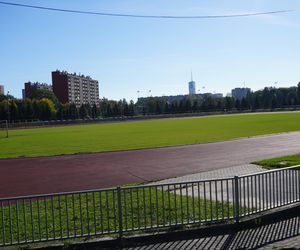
(101, 170)
(256, 193)
(215, 174)
(284, 234)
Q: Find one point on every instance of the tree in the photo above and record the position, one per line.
(47, 109)
(44, 93)
(228, 103)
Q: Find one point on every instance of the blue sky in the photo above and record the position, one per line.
(129, 54)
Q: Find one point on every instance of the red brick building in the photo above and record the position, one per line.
(30, 87)
(74, 88)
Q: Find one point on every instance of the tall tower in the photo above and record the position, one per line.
(192, 86)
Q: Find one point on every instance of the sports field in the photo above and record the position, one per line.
(143, 134)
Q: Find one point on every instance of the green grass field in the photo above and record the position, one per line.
(280, 162)
(143, 134)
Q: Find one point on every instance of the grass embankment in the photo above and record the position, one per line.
(280, 162)
(79, 214)
(143, 134)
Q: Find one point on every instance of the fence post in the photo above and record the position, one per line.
(236, 199)
(120, 212)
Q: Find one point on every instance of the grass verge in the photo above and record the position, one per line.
(280, 162)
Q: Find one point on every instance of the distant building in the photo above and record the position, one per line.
(240, 93)
(218, 95)
(192, 86)
(30, 87)
(213, 95)
(73, 88)
(168, 98)
(1, 90)
(178, 98)
(23, 94)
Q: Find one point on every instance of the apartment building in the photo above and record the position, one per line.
(75, 88)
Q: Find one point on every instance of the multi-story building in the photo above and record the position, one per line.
(240, 93)
(30, 87)
(192, 88)
(1, 90)
(74, 88)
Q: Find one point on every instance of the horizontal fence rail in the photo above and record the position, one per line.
(122, 210)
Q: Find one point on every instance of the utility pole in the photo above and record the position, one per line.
(6, 126)
(8, 111)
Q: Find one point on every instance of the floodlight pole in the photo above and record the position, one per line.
(6, 125)
(8, 111)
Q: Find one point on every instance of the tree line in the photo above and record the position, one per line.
(268, 98)
(43, 105)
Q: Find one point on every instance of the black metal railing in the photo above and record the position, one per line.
(123, 210)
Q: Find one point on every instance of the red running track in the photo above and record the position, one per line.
(40, 175)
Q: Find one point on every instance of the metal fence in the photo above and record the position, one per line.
(118, 211)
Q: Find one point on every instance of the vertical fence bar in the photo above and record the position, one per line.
(87, 213)
(144, 204)
(169, 206)
(175, 203)
(107, 211)
(10, 224)
(132, 212)
(114, 210)
(163, 204)
(150, 201)
(298, 174)
(60, 222)
(46, 218)
(101, 212)
(222, 199)
(39, 218)
(187, 203)
(3, 224)
(81, 220)
(31, 220)
(227, 197)
(74, 221)
(67, 216)
(25, 223)
(199, 204)
(237, 201)
(248, 195)
(216, 197)
(283, 188)
(267, 191)
(252, 190)
(138, 207)
(181, 206)
(125, 208)
(17, 214)
(94, 213)
(244, 195)
(210, 200)
(280, 186)
(156, 205)
(120, 212)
